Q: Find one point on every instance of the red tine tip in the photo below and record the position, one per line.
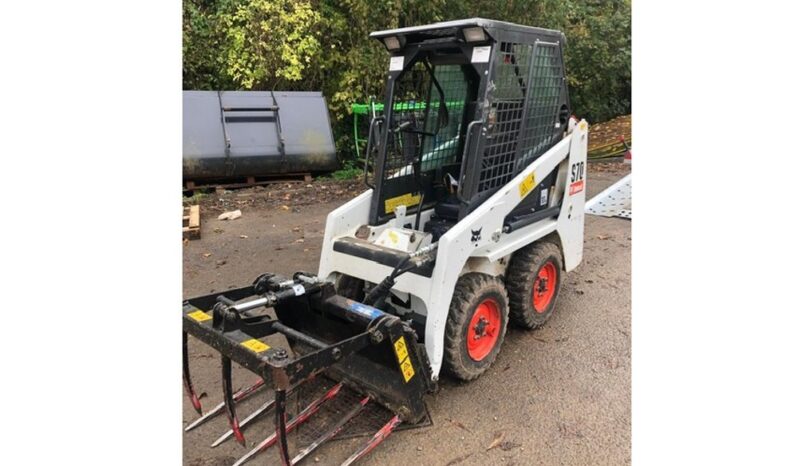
(196, 403)
(237, 432)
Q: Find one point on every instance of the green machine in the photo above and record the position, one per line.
(363, 113)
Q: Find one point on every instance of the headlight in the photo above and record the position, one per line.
(476, 34)
(392, 43)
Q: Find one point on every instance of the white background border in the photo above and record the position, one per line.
(91, 244)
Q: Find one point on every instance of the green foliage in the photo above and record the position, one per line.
(598, 55)
(349, 171)
(324, 45)
(267, 41)
(202, 42)
(195, 198)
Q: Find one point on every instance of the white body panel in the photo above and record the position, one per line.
(457, 253)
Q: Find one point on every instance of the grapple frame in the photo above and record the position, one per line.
(373, 352)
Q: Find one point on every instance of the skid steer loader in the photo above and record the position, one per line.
(474, 212)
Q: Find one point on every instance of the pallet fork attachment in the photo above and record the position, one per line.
(362, 347)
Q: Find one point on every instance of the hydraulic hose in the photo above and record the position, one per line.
(376, 297)
(379, 293)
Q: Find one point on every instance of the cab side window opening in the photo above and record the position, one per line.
(430, 108)
(418, 131)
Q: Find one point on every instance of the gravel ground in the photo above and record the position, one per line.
(558, 395)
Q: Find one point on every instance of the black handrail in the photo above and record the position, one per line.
(460, 183)
(368, 150)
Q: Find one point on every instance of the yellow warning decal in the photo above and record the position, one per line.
(255, 345)
(408, 200)
(401, 349)
(199, 316)
(407, 370)
(527, 185)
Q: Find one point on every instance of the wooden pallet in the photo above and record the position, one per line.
(191, 222)
(248, 181)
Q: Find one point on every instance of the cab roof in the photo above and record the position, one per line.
(444, 28)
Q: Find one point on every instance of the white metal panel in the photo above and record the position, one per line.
(615, 201)
(514, 241)
(342, 221)
(571, 222)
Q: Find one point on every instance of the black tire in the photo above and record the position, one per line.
(472, 290)
(525, 266)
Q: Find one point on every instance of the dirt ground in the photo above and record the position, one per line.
(558, 395)
(608, 132)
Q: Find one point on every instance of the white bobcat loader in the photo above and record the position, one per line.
(474, 213)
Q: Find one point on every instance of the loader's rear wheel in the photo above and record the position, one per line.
(533, 283)
(476, 325)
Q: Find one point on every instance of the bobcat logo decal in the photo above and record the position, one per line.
(476, 235)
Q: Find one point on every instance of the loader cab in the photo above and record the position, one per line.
(464, 113)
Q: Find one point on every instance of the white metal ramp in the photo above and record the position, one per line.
(615, 201)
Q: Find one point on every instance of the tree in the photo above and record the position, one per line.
(268, 41)
(324, 45)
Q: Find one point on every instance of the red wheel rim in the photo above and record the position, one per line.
(483, 330)
(544, 286)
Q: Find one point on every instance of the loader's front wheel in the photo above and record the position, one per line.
(533, 283)
(476, 325)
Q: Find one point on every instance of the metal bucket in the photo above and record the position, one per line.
(254, 133)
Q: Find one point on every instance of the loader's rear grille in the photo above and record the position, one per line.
(546, 85)
(506, 115)
(526, 75)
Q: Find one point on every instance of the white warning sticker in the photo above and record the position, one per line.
(544, 196)
(397, 63)
(481, 54)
